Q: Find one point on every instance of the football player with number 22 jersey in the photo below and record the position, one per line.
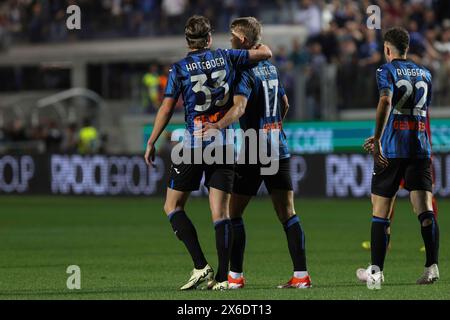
(402, 151)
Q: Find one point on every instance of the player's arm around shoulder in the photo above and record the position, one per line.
(232, 116)
(262, 52)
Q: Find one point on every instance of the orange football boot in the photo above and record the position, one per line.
(238, 283)
(298, 283)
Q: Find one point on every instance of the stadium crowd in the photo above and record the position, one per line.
(51, 136)
(338, 36)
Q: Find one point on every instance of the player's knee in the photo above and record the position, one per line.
(171, 207)
(285, 214)
(168, 209)
(220, 215)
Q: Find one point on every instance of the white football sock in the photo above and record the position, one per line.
(300, 274)
(236, 275)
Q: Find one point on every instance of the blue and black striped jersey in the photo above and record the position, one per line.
(261, 85)
(205, 79)
(405, 134)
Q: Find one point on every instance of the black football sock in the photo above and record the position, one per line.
(224, 232)
(379, 241)
(430, 235)
(185, 231)
(238, 246)
(296, 242)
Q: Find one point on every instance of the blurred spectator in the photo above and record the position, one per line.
(88, 138)
(58, 30)
(151, 95)
(53, 138)
(347, 73)
(17, 132)
(163, 79)
(37, 23)
(298, 57)
(308, 14)
(173, 14)
(313, 84)
(70, 139)
(2, 134)
(337, 27)
(281, 57)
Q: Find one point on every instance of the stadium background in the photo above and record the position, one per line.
(77, 106)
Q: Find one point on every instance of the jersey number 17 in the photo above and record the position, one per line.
(271, 85)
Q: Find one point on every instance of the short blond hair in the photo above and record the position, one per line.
(250, 28)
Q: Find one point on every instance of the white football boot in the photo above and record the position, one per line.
(218, 286)
(373, 279)
(199, 276)
(430, 275)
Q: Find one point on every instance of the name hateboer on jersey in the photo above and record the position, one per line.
(205, 80)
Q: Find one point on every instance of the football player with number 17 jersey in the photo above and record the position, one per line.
(260, 103)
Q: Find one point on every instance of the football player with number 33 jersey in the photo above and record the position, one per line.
(205, 81)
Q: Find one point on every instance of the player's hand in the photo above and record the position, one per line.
(150, 155)
(369, 144)
(378, 157)
(204, 131)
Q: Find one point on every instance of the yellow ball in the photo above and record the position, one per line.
(366, 245)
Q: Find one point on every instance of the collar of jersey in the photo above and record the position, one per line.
(399, 59)
(197, 51)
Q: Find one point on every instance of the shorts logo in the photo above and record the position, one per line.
(176, 170)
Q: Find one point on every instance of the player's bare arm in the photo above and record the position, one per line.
(383, 109)
(286, 106)
(232, 116)
(260, 53)
(163, 117)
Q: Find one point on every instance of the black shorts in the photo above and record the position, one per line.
(187, 177)
(415, 172)
(248, 178)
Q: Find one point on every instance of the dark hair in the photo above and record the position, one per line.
(399, 38)
(250, 27)
(197, 32)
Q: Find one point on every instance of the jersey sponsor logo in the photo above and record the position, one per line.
(273, 126)
(409, 125)
(209, 118)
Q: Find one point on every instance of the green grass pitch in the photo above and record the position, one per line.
(126, 250)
